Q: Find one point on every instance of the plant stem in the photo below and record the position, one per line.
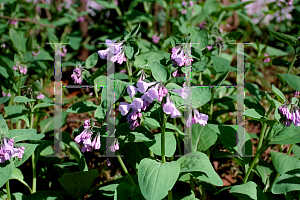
(192, 182)
(170, 196)
(292, 64)
(263, 130)
(8, 190)
(290, 150)
(200, 78)
(129, 70)
(125, 170)
(211, 104)
(163, 134)
(32, 155)
(177, 137)
(97, 96)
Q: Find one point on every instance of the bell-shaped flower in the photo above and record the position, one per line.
(124, 108)
(131, 90)
(153, 92)
(137, 103)
(183, 92)
(143, 86)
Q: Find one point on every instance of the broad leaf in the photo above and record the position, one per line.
(77, 184)
(156, 179)
(159, 72)
(24, 134)
(82, 107)
(290, 181)
(6, 170)
(292, 80)
(202, 137)
(283, 162)
(29, 149)
(248, 191)
(91, 61)
(290, 40)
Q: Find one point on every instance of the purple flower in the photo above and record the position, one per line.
(209, 47)
(64, 51)
(13, 22)
(170, 109)
(153, 92)
(155, 39)
(76, 76)
(183, 92)
(40, 96)
(124, 108)
(120, 58)
(137, 104)
(283, 109)
(202, 24)
(96, 144)
(80, 19)
(297, 93)
(183, 11)
(143, 86)
(103, 53)
(267, 59)
(115, 146)
(87, 145)
(8, 94)
(15, 68)
(191, 3)
(3, 94)
(178, 56)
(184, 3)
(131, 90)
(200, 118)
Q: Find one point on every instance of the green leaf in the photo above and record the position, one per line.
(17, 174)
(3, 125)
(202, 137)
(220, 64)
(255, 114)
(221, 78)
(82, 107)
(288, 135)
(248, 191)
(278, 94)
(139, 134)
(201, 38)
(62, 21)
(283, 162)
(296, 151)
(16, 40)
(280, 62)
(199, 66)
(170, 144)
(107, 4)
(210, 7)
(292, 80)
(198, 163)
(24, 134)
(100, 113)
(134, 152)
(28, 44)
(200, 96)
(288, 39)
(48, 124)
(77, 184)
(159, 72)
(145, 59)
(43, 105)
(290, 181)
(91, 61)
(129, 51)
(6, 170)
(44, 55)
(235, 6)
(125, 191)
(156, 179)
(22, 99)
(29, 149)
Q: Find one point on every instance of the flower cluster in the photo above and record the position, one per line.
(76, 76)
(185, 4)
(40, 96)
(116, 49)
(197, 118)
(115, 146)
(297, 93)
(292, 114)
(86, 137)
(170, 108)
(22, 68)
(4, 94)
(178, 56)
(267, 59)
(138, 104)
(202, 24)
(8, 150)
(31, 94)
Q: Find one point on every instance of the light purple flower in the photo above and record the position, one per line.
(80, 19)
(40, 96)
(96, 144)
(124, 108)
(3, 94)
(103, 53)
(25, 70)
(191, 3)
(131, 90)
(13, 22)
(8, 94)
(153, 92)
(183, 11)
(183, 92)
(137, 103)
(115, 146)
(200, 118)
(155, 39)
(15, 68)
(170, 109)
(202, 24)
(267, 59)
(209, 47)
(297, 93)
(143, 86)
(184, 3)
(64, 51)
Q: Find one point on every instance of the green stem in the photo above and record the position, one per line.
(19, 89)
(290, 150)
(129, 70)
(125, 170)
(170, 196)
(32, 155)
(8, 190)
(263, 130)
(177, 137)
(163, 134)
(292, 64)
(192, 182)
(200, 78)
(211, 104)
(97, 96)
